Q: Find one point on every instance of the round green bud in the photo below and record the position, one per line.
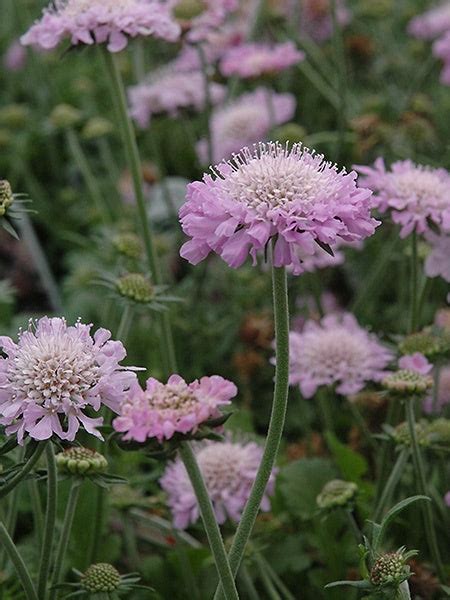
(128, 244)
(136, 287)
(65, 115)
(389, 569)
(402, 434)
(424, 342)
(439, 431)
(97, 127)
(407, 383)
(6, 196)
(14, 116)
(186, 10)
(81, 461)
(101, 577)
(336, 493)
(290, 132)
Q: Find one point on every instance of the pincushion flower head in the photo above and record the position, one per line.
(437, 263)
(54, 375)
(101, 21)
(254, 60)
(415, 194)
(169, 92)
(432, 23)
(288, 194)
(161, 410)
(246, 121)
(229, 470)
(336, 351)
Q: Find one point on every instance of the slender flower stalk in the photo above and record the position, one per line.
(132, 152)
(27, 468)
(65, 533)
(421, 484)
(18, 563)
(414, 317)
(342, 85)
(209, 521)
(391, 484)
(276, 426)
(208, 102)
(269, 586)
(36, 503)
(50, 521)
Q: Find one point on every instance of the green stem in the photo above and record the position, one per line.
(97, 529)
(342, 79)
(209, 521)
(392, 418)
(8, 487)
(38, 516)
(414, 292)
(391, 484)
(129, 537)
(247, 583)
(421, 483)
(50, 520)
(360, 421)
(326, 411)
(276, 425)
(208, 102)
(403, 591)
(354, 526)
(19, 564)
(285, 593)
(124, 324)
(134, 162)
(88, 176)
(272, 593)
(65, 533)
(319, 83)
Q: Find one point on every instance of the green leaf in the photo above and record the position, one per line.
(361, 585)
(351, 464)
(380, 530)
(300, 483)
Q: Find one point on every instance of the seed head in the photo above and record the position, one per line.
(407, 383)
(101, 577)
(136, 287)
(81, 461)
(336, 493)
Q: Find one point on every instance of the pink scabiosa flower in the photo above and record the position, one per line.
(246, 121)
(168, 91)
(436, 405)
(416, 362)
(437, 263)
(229, 470)
(101, 21)
(15, 57)
(207, 16)
(432, 23)
(255, 60)
(316, 19)
(441, 49)
(415, 194)
(161, 410)
(336, 351)
(290, 194)
(55, 374)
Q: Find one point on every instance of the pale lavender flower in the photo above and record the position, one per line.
(55, 374)
(441, 49)
(289, 194)
(316, 19)
(209, 20)
(437, 263)
(416, 362)
(246, 121)
(229, 470)
(169, 92)
(447, 499)
(336, 351)
(415, 194)
(442, 394)
(432, 23)
(256, 59)
(15, 57)
(101, 21)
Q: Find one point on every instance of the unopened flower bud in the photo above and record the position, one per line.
(407, 383)
(97, 127)
(128, 244)
(291, 132)
(336, 493)
(14, 116)
(101, 577)
(64, 116)
(402, 434)
(6, 196)
(186, 10)
(81, 461)
(424, 342)
(389, 569)
(439, 431)
(136, 287)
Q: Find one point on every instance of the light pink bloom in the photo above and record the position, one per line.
(211, 19)
(54, 374)
(15, 57)
(437, 263)
(443, 394)
(416, 362)
(229, 470)
(168, 91)
(432, 23)
(161, 410)
(288, 193)
(316, 18)
(101, 21)
(336, 351)
(413, 193)
(254, 60)
(246, 121)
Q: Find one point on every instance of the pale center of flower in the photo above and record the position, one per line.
(173, 397)
(221, 466)
(52, 370)
(240, 122)
(276, 181)
(75, 8)
(424, 187)
(334, 350)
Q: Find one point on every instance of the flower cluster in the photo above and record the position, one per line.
(415, 194)
(255, 60)
(101, 21)
(245, 121)
(276, 191)
(161, 410)
(169, 92)
(54, 374)
(229, 470)
(336, 351)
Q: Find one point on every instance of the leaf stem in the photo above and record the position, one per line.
(50, 520)
(18, 562)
